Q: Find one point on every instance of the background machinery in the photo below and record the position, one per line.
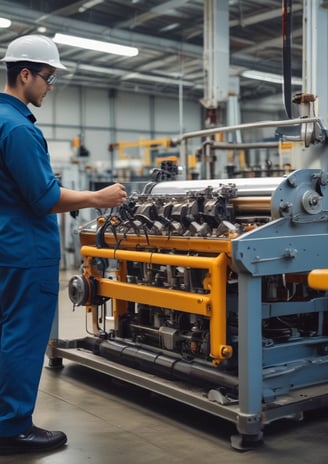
(213, 292)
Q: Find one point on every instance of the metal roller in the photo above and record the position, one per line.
(255, 186)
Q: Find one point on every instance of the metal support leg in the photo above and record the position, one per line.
(250, 362)
(54, 362)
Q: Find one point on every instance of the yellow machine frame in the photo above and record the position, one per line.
(212, 304)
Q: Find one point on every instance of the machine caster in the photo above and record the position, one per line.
(55, 363)
(242, 442)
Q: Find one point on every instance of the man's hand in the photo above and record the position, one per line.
(108, 197)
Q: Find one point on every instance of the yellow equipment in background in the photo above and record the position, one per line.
(150, 153)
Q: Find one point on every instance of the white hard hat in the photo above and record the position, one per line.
(33, 48)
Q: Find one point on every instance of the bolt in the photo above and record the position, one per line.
(292, 180)
(285, 206)
(324, 178)
(314, 201)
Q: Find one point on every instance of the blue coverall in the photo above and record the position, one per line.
(29, 261)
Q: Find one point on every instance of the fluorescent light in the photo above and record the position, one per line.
(170, 27)
(97, 45)
(5, 23)
(268, 77)
(87, 5)
(96, 69)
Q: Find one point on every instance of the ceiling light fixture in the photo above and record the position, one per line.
(170, 27)
(5, 23)
(268, 77)
(87, 5)
(96, 45)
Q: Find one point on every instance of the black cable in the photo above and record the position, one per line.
(286, 49)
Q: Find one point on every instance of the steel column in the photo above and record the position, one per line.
(250, 353)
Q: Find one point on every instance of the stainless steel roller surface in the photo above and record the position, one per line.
(255, 186)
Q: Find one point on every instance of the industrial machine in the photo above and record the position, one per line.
(213, 292)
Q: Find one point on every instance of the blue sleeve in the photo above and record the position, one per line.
(28, 163)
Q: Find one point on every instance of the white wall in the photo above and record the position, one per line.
(103, 117)
(101, 120)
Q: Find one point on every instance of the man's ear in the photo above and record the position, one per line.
(25, 74)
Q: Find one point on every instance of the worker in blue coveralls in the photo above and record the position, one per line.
(30, 197)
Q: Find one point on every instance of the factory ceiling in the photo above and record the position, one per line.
(169, 35)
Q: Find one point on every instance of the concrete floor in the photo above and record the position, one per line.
(108, 421)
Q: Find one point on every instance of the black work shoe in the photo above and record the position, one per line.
(32, 440)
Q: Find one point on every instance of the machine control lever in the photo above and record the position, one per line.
(289, 253)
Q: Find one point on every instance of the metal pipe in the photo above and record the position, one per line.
(230, 146)
(253, 125)
(218, 321)
(200, 262)
(157, 362)
(144, 328)
(144, 294)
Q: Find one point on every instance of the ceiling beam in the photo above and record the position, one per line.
(59, 24)
(166, 8)
(260, 17)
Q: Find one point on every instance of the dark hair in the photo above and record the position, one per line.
(13, 69)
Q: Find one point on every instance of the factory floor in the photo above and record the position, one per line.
(108, 421)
